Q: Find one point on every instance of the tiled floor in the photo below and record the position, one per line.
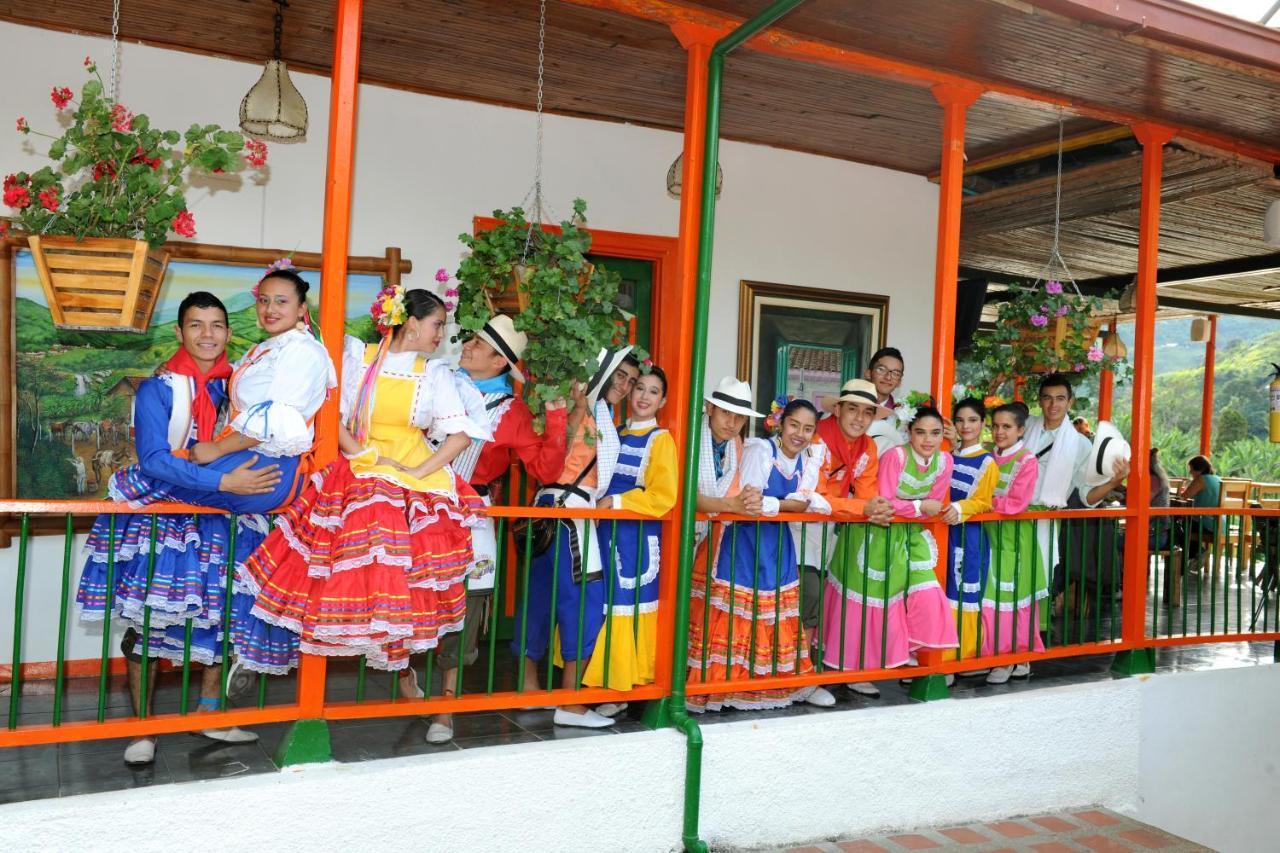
(36, 772)
(1096, 830)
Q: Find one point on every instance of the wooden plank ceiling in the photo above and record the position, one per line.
(615, 67)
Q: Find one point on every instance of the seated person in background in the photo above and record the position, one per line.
(884, 371)
(1204, 489)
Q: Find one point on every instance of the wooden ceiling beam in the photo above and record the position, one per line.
(1035, 151)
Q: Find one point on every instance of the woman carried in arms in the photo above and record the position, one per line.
(371, 559)
(250, 468)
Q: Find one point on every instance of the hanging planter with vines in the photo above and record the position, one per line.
(541, 278)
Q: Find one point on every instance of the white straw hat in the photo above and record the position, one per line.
(1108, 446)
(500, 333)
(733, 395)
(607, 364)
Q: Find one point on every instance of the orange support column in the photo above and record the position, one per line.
(1133, 628)
(1106, 386)
(954, 100)
(302, 743)
(698, 41)
(1206, 396)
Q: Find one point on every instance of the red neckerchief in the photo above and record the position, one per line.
(203, 411)
(846, 454)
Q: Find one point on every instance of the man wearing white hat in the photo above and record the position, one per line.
(571, 565)
(728, 406)
(489, 363)
(848, 482)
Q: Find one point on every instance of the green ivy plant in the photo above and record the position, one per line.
(1022, 344)
(114, 175)
(572, 312)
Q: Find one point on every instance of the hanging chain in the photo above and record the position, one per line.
(536, 213)
(1055, 253)
(114, 79)
(279, 26)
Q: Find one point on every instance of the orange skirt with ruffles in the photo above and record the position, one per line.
(364, 566)
(776, 645)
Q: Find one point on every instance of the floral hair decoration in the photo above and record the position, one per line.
(905, 412)
(773, 421)
(388, 309)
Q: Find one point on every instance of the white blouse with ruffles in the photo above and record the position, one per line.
(440, 406)
(280, 391)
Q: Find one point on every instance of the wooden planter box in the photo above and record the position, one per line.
(512, 300)
(100, 284)
(1055, 332)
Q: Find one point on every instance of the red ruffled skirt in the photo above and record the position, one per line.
(365, 566)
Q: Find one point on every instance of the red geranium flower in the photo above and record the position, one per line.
(61, 97)
(121, 119)
(106, 167)
(17, 197)
(255, 152)
(10, 181)
(141, 157)
(23, 127)
(87, 62)
(184, 224)
(49, 199)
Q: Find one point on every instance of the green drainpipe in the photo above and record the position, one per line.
(679, 715)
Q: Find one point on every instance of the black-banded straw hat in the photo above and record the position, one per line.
(1109, 445)
(500, 333)
(733, 395)
(857, 391)
(607, 363)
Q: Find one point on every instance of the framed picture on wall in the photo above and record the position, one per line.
(805, 342)
(74, 390)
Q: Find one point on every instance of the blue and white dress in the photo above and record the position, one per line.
(973, 477)
(274, 394)
(644, 481)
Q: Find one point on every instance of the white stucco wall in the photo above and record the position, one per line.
(1209, 765)
(1189, 752)
(426, 166)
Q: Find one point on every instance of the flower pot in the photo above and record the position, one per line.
(513, 299)
(99, 283)
(1054, 333)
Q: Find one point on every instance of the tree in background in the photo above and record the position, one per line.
(1232, 427)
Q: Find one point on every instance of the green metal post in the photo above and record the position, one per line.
(15, 679)
(59, 676)
(697, 368)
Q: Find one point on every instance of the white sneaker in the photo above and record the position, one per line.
(141, 752)
(231, 735)
(611, 709)
(240, 681)
(1021, 670)
(409, 688)
(975, 673)
(821, 697)
(999, 674)
(864, 688)
(951, 679)
(588, 720)
(439, 733)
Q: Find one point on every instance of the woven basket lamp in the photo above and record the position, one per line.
(274, 107)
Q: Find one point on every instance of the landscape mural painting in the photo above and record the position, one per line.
(75, 389)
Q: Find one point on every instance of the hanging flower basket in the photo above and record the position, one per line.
(513, 297)
(99, 283)
(101, 210)
(1044, 351)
